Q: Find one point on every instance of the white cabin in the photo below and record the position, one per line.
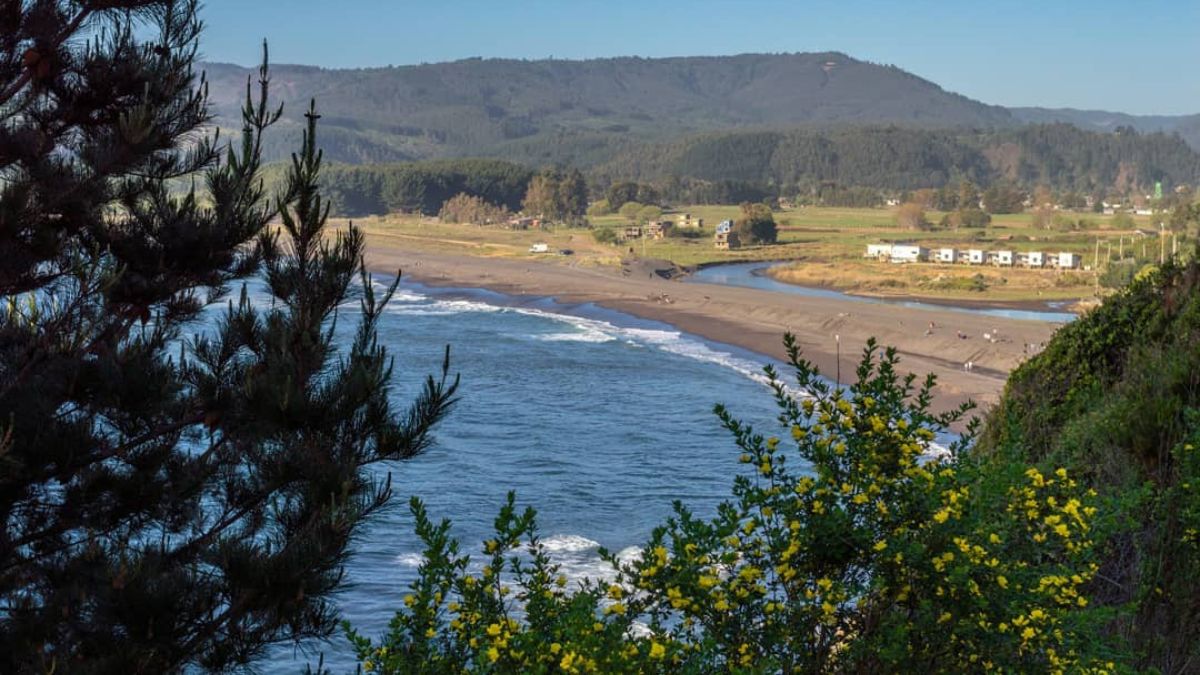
(947, 255)
(1031, 259)
(972, 256)
(906, 253)
(1068, 261)
(1001, 258)
(539, 248)
(879, 251)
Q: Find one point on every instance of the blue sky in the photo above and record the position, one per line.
(1139, 56)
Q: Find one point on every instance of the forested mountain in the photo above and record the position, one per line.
(1187, 126)
(732, 125)
(478, 106)
(1058, 155)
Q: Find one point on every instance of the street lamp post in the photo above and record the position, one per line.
(838, 340)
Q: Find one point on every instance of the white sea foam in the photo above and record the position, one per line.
(597, 331)
(585, 335)
(569, 543)
(410, 559)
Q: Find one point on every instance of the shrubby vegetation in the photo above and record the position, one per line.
(464, 208)
(757, 224)
(1115, 395)
(850, 545)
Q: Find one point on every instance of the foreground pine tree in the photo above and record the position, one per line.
(174, 495)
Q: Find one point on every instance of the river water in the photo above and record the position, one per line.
(597, 419)
(752, 275)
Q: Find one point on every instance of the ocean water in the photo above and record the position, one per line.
(597, 419)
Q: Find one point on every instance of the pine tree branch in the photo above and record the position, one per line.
(59, 39)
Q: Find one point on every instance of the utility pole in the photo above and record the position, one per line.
(1121, 249)
(1096, 257)
(1162, 244)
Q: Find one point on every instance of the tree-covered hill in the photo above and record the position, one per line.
(1058, 155)
(1187, 126)
(475, 105)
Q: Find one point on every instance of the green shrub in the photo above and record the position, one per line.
(851, 546)
(604, 235)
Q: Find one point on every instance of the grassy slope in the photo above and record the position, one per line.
(1115, 397)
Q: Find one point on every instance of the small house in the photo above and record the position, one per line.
(879, 251)
(909, 253)
(633, 232)
(1032, 259)
(1000, 258)
(522, 223)
(539, 248)
(1068, 261)
(659, 228)
(687, 221)
(972, 256)
(727, 240)
(947, 255)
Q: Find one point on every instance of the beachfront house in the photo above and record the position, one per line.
(1067, 261)
(947, 255)
(1032, 259)
(659, 229)
(879, 251)
(972, 256)
(909, 253)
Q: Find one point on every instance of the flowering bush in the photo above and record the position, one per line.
(855, 545)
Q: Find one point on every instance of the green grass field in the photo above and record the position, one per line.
(826, 245)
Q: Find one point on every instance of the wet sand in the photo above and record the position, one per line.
(751, 318)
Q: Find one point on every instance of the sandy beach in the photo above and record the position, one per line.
(750, 318)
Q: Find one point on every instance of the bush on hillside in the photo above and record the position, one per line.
(1115, 396)
(848, 545)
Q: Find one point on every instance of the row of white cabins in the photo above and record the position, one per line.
(910, 253)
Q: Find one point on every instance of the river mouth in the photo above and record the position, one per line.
(753, 275)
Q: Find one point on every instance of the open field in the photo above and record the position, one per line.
(826, 245)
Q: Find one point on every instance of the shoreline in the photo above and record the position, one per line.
(750, 319)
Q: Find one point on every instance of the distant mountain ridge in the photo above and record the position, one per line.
(761, 118)
(1187, 126)
(477, 106)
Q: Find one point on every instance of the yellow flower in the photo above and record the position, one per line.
(880, 545)
(493, 630)
(493, 654)
(555, 648)
(657, 651)
(1001, 581)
